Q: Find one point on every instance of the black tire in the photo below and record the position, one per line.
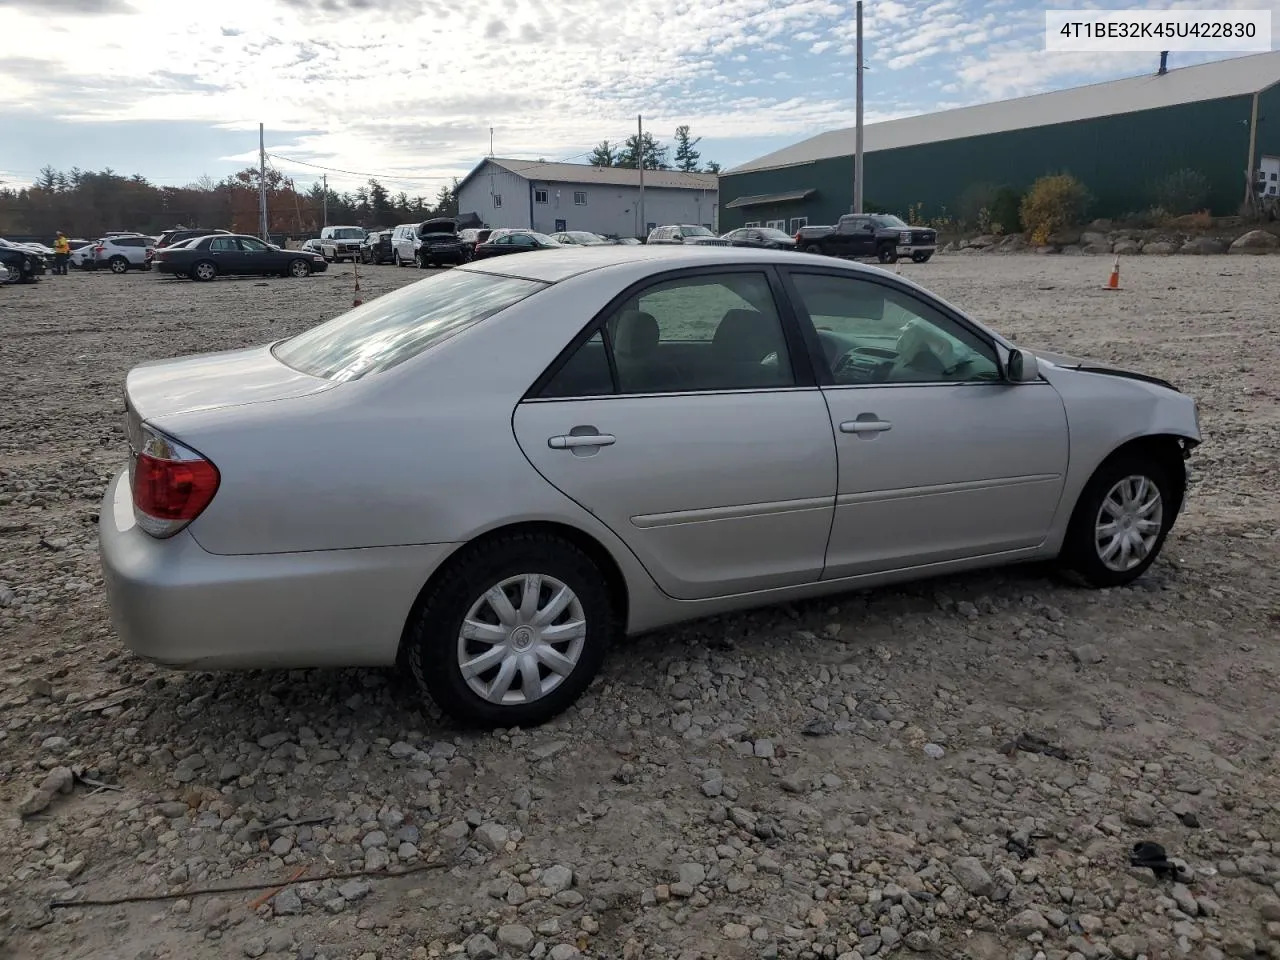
(813, 248)
(1081, 552)
(204, 270)
(920, 257)
(395, 258)
(299, 269)
(118, 264)
(887, 253)
(431, 638)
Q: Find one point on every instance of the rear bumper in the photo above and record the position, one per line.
(174, 603)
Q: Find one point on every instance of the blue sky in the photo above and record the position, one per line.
(408, 89)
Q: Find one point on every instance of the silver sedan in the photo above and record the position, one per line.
(492, 474)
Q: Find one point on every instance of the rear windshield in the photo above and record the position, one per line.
(397, 326)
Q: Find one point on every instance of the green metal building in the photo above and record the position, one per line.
(1118, 138)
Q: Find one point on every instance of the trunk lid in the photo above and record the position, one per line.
(162, 389)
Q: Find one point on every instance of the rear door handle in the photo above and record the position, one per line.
(865, 426)
(573, 441)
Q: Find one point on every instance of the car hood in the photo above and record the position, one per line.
(163, 389)
(1090, 366)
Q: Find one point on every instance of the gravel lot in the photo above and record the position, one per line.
(826, 780)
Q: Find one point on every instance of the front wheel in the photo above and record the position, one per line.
(1120, 521)
(512, 632)
(299, 269)
(118, 265)
(921, 257)
(887, 253)
(205, 270)
(813, 248)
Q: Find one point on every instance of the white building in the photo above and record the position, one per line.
(550, 197)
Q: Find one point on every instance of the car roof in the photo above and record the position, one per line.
(552, 266)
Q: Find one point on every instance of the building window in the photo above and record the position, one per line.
(540, 196)
(579, 198)
(798, 222)
(752, 223)
(497, 200)
(776, 224)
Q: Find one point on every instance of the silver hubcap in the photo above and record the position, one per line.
(204, 271)
(521, 639)
(299, 268)
(1128, 523)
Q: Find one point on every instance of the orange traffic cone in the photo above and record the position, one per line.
(1113, 283)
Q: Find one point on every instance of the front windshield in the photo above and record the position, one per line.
(769, 233)
(544, 239)
(398, 326)
(348, 233)
(889, 220)
(697, 232)
(581, 236)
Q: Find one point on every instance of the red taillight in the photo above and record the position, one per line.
(172, 484)
(99, 249)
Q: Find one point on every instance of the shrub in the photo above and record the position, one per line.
(1053, 203)
(1183, 191)
(1004, 213)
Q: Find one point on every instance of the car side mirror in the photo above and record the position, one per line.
(1023, 367)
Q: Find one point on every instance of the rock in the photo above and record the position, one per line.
(34, 801)
(1255, 241)
(1139, 815)
(556, 879)
(480, 947)
(1027, 923)
(933, 751)
(1126, 248)
(355, 890)
(492, 835)
(971, 875)
(1203, 246)
(545, 751)
(918, 941)
(1185, 900)
(693, 874)
(372, 839)
(402, 751)
(1237, 944)
(516, 936)
(255, 947)
(735, 931)
(1161, 247)
(564, 951)
(281, 846)
(763, 749)
(1269, 908)
(286, 903)
(1127, 946)
(1086, 654)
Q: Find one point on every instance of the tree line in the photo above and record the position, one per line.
(87, 204)
(657, 155)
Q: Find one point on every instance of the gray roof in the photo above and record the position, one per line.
(767, 199)
(582, 173)
(1209, 81)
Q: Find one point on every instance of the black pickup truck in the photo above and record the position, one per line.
(879, 235)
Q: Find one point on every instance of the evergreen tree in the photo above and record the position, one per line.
(603, 155)
(686, 157)
(654, 153)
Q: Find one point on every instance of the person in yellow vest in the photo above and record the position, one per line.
(61, 254)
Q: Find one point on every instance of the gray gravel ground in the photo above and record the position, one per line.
(825, 780)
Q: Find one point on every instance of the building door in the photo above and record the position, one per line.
(562, 226)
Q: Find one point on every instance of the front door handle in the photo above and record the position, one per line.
(574, 441)
(865, 426)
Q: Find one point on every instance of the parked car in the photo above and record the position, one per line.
(124, 252)
(20, 265)
(289, 505)
(628, 241)
(766, 238)
(82, 257)
(429, 243)
(312, 246)
(376, 247)
(580, 238)
(341, 243)
(473, 235)
(204, 258)
(686, 234)
(879, 235)
(178, 234)
(515, 241)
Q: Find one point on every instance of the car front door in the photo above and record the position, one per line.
(940, 457)
(687, 420)
(257, 257)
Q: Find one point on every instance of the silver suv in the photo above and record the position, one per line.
(121, 253)
(687, 234)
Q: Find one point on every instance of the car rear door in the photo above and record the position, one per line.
(687, 420)
(940, 457)
(225, 252)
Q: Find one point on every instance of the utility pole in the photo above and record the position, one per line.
(857, 153)
(644, 230)
(264, 232)
(326, 200)
(491, 141)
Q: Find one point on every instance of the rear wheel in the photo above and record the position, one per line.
(204, 270)
(395, 259)
(299, 268)
(512, 632)
(887, 253)
(921, 257)
(813, 248)
(118, 264)
(1120, 521)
